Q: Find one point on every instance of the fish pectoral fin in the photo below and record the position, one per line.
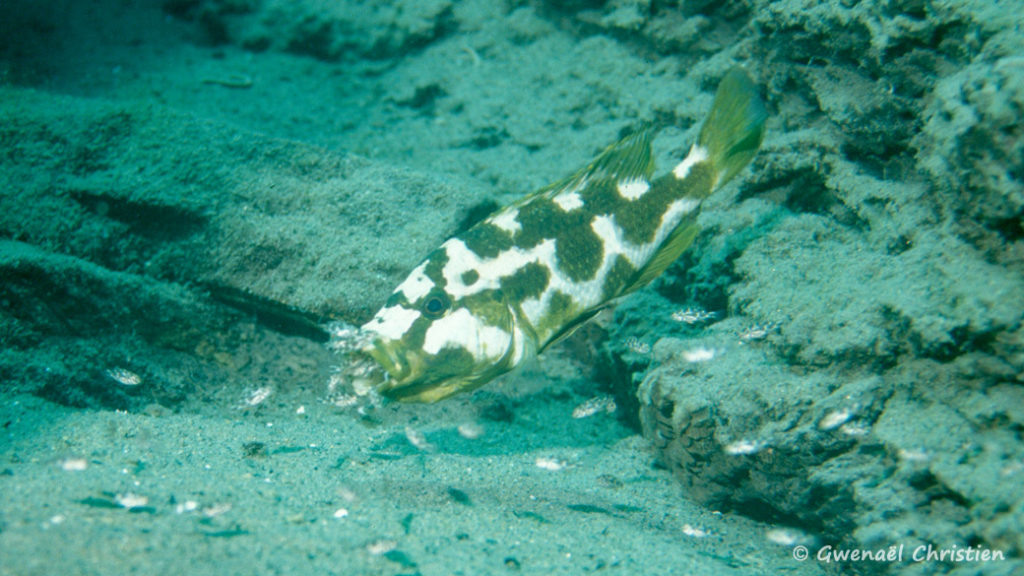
(571, 327)
(628, 159)
(677, 242)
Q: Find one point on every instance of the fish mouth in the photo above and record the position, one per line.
(381, 367)
(413, 378)
(407, 378)
(372, 367)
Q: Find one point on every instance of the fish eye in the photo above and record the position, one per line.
(436, 305)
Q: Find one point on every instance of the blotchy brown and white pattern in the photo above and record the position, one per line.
(486, 300)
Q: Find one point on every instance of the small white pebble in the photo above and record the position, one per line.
(216, 510)
(785, 536)
(694, 532)
(914, 455)
(74, 464)
(1011, 469)
(130, 500)
(346, 494)
(742, 447)
(700, 354)
(551, 464)
(851, 429)
(379, 547)
(471, 430)
(341, 513)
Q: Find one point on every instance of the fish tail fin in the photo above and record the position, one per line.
(734, 128)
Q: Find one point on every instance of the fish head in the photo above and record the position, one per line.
(433, 338)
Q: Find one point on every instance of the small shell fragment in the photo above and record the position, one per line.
(258, 396)
(418, 439)
(215, 510)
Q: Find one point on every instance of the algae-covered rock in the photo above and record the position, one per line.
(972, 144)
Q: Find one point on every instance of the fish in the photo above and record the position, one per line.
(496, 295)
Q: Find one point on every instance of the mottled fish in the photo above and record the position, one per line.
(490, 298)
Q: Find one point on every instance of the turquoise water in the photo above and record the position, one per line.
(193, 190)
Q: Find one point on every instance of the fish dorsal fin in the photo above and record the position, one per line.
(677, 242)
(628, 159)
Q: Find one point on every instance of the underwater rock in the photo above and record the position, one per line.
(741, 433)
(136, 253)
(326, 31)
(123, 187)
(879, 236)
(81, 334)
(972, 144)
(859, 459)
